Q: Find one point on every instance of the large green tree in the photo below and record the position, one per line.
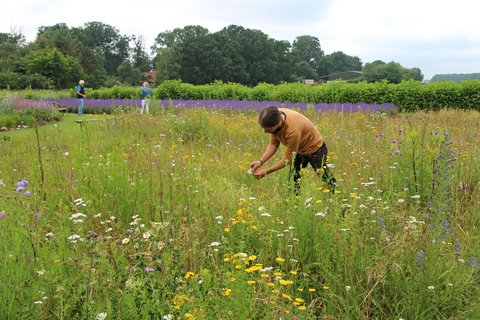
(307, 49)
(393, 72)
(114, 46)
(338, 62)
(166, 65)
(57, 36)
(140, 58)
(12, 69)
(62, 70)
(128, 74)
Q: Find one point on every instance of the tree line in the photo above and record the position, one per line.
(61, 55)
(457, 77)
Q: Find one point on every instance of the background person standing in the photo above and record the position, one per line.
(145, 94)
(80, 95)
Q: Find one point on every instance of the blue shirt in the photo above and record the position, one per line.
(146, 91)
(81, 90)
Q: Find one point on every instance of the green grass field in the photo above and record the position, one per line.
(155, 217)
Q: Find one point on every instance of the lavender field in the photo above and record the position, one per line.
(102, 104)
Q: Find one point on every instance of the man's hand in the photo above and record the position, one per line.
(259, 174)
(255, 165)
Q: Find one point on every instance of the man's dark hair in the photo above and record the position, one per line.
(269, 116)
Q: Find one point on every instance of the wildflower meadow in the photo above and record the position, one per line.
(130, 216)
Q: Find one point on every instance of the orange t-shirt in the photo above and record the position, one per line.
(298, 134)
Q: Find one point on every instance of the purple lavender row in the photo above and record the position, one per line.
(213, 103)
(247, 104)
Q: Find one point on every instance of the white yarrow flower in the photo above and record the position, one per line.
(101, 316)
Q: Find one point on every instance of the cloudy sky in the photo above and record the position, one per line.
(437, 36)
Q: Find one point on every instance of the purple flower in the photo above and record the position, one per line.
(149, 270)
(394, 142)
(21, 185)
(474, 263)
(377, 137)
(2, 215)
(420, 259)
(395, 152)
(27, 193)
(400, 132)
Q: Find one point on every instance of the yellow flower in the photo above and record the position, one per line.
(286, 296)
(251, 258)
(226, 292)
(227, 229)
(293, 272)
(271, 284)
(299, 300)
(325, 287)
(254, 268)
(232, 279)
(179, 300)
(277, 274)
(251, 282)
(189, 275)
(285, 282)
(318, 201)
(280, 259)
(238, 266)
(311, 290)
(275, 291)
(302, 308)
(300, 290)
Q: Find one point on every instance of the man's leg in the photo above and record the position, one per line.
(319, 162)
(80, 107)
(299, 163)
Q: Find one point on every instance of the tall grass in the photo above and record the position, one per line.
(155, 217)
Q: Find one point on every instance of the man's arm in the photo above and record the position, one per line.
(292, 145)
(269, 152)
(79, 93)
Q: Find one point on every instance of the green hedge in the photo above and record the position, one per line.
(407, 96)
